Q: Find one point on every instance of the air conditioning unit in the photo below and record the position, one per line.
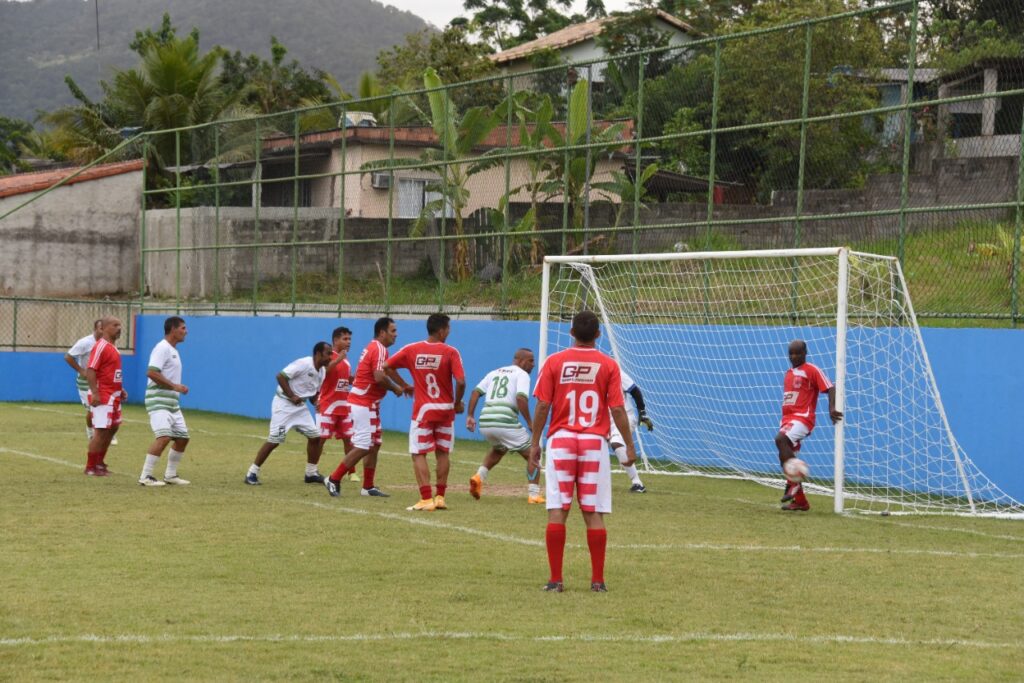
(380, 180)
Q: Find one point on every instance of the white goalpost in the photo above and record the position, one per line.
(704, 334)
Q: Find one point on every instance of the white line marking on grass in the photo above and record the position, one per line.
(424, 520)
(931, 527)
(654, 639)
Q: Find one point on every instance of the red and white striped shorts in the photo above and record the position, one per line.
(366, 431)
(427, 437)
(578, 462)
(335, 426)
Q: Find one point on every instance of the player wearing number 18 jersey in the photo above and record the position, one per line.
(433, 364)
(581, 388)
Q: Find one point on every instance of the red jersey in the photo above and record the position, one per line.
(581, 384)
(800, 392)
(335, 388)
(105, 359)
(365, 390)
(432, 365)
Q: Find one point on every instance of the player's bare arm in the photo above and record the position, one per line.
(523, 403)
(392, 381)
(340, 358)
(834, 414)
(621, 420)
(282, 381)
(94, 387)
(460, 391)
(161, 381)
(70, 360)
(474, 398)
(540, 418)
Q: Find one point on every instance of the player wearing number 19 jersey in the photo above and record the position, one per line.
(581, 388)
(433, 364)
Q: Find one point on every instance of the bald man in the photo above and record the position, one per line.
(103, 373)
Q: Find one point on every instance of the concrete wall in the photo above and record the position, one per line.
(981, 398)
(79, 239)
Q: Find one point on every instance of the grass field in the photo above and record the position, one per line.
(104, 579)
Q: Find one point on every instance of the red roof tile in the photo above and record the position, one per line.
(23, 183)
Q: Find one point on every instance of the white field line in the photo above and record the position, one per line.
(634, 639)
(931, 527)
(433, 522)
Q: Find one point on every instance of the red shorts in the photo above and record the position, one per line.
(428, 437)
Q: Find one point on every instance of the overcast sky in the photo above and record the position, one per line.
(440, 12)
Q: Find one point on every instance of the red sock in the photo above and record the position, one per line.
(368, 473)
(91, 460)
(441, 488)
(425, 492)
(555, 539)
(340, 472)
(800, 498)
(597, 540)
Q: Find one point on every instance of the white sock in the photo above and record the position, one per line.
(310, 469)
(88, 433)
(620, 453)
(634, 477)
(482, 471)
(254, 469)
(173, 458)
(534, 489)
(147, 469)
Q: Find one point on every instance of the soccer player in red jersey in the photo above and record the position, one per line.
(370, 385)
(800, 389)
(433, 364)
(334, 417)
(580, 387)
(103, 372)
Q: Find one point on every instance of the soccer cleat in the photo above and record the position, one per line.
(113, 441)
(790, 492)
(352, 476)
(252, 480)
(150, 480)
(425, 505)
(598, 587)
(103, 466)
(535, 500)
(476, 485)
(554, 587)
(176, 481)
(638, 488)
(315, 478)
(797, 507)
(333, 487)
(92, 472)
(439, 503)
(375, 492)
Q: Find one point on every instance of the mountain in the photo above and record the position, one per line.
(43, 40)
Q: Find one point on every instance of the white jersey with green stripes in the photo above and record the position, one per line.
(500, 389)
(165, 360)
(80, 352)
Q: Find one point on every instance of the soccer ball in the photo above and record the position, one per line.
(796, 469)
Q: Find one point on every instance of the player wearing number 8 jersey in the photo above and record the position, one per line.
(580, 387)
(433, 365)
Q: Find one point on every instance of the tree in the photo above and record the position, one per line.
(14, 133)
(507, 23)
(274, 86)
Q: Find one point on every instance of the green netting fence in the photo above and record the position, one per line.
(828, 131)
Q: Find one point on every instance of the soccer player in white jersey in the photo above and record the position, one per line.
(506, 393)
(78, 357)
(298, 382)
(163, 391)
(616, 441)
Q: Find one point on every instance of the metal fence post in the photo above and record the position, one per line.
(1018, 224)
(341, 211)
(907, 138)
(216, 220)
(505, 256)
(142, 226)
(391, 203)
(589, 159)
(177, 221)
(257, 198)
(295, 211)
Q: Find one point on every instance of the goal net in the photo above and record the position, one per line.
(705, 336)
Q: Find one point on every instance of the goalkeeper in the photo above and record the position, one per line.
(616, 441)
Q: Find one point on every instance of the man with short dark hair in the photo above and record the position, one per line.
(162, 403)
(433, 365)
(580, 387)
(106, 393)
(334, 415)
(78, 357)
(298, 382)
(370, 385)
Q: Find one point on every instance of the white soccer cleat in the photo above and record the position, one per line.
(176, 481)
(150, 480)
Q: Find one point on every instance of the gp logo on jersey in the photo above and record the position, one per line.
(117, 375)
(427, 362)
(579, 373)
(342, 385)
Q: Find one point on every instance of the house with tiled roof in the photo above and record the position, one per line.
(579, 43)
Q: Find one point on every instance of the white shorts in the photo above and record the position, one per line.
(108, 415)
(427, 437)
(507, 438)
(166, 423)
(796, 431)
(285, 415)
(366, 431)
(578, 462)
(83, 396)
(616, 435)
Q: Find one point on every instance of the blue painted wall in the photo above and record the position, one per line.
(230, 364)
